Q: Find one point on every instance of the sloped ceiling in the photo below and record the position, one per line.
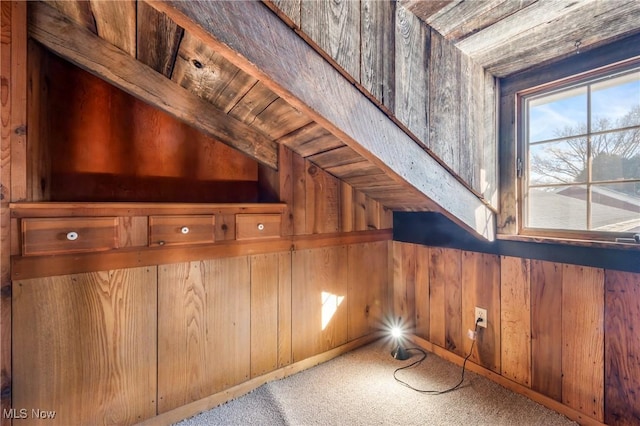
(508, 36)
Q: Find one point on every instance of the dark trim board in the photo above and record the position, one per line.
(434, 229)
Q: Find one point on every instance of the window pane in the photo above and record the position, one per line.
(557, 208)
(558, 162)
(616, 207)
(558, 115)
(616, 155)
(615, 103)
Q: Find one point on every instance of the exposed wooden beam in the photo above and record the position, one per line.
(81, 47)
(293, 70)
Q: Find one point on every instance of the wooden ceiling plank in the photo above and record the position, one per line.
(79, 46)
(558, 38)
(310, 139)
(279, 119)
(116, 23)
(158, 39)
(256, 100)
(429, 9)
(301, 76)
(203, 71)
(347, 171)
(336, 157)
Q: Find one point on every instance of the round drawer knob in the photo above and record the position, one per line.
(184, 230)
(72, 236)
(260, 226)
(161, 243)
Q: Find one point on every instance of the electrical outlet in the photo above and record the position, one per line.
(481, 313)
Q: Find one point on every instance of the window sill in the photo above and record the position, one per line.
(570, 242)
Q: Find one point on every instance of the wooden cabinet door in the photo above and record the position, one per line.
(84, 346)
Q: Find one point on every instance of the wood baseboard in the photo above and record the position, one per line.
(237, 391)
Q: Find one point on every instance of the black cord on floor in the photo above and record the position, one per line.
(424, 356)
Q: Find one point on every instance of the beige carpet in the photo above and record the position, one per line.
(358, 389)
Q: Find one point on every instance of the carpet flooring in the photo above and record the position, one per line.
(358, 388)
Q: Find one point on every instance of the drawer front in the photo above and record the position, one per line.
(255, 226)
(67, 235)
(177, 230)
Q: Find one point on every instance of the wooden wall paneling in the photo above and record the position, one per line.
(299, 204)
(546, 328)
(423, 260)
(377, 59)
(386, 217)
(322, 200)
(38, 155)
(286, 182)
(284, 310)
(18, 68)
(206, 73)
(359, 211)
(437, 310)
(335, 28)
(508, 192)
(373, 209)
(515, 319)
(133, 231)
(116, 23)
(471, 103)
(444, 105)
(481, 287)
(453, 301)
(290, 8)
(203, 329)
(158, 39)
(622, 348)
(583, 339)
(489, 171)
(404, 282)
(412, 65)
(93, 359)
(265, 279)
(319, 289)
(78, 11)
(347, 208)
(366, 295)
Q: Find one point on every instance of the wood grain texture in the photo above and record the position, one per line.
(319, 288)
(133, 231)
(206, 306)
(78, 11)
(279, 119)
(94, 358)
(18, 102)
(583, 327)
(546, 328)
(622, 348)
(377, 58)
(481, 287)
(471, 122)
(347, 210)
(489, 171)
(423, 260)
(257, 226)
(322, 200)
(181, 230)
(118, 68)
(335, 27)
(290, 9)
(367, 288)
(285, 180)
(284, 310)
(310, 139)
(265, 278)
(256, 100)
(515, 319)
(116, 23)
(404, 284)
(444, 104)
(453, 301)
(158, 39)
(437, 310)
(204, 72)
(412, 68)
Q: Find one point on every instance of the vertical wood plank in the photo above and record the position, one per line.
(286, 178)
(367, 287)
(546, 328)
(264, 313)
(335, 27)
(378, 49)
(422, 291)
(444, 108)
(38, 155)
(291, 8)
(359, 211)
(18, 101)
(404, 282)
(583, 339)
(322, 200)
(346, 207)
(437, 311)
(299, 176)
(373, 214)
(78, 11)
(481, 288)
(489, 170)
(319, 289)
(622, 348)
(412, 88)
(453, 301)
(515, 319)
(284, 309)
(94, 359)
(471, 121)
(116, 23)
(386, 218)
(158, 39)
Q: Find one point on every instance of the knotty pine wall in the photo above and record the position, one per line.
(432, 90)
(565, 332)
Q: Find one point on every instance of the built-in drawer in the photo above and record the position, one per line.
(176, 230)
(255, 226)
(67, 235)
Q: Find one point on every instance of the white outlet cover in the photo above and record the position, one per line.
(481, 313)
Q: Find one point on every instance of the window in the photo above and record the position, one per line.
(580, 156)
